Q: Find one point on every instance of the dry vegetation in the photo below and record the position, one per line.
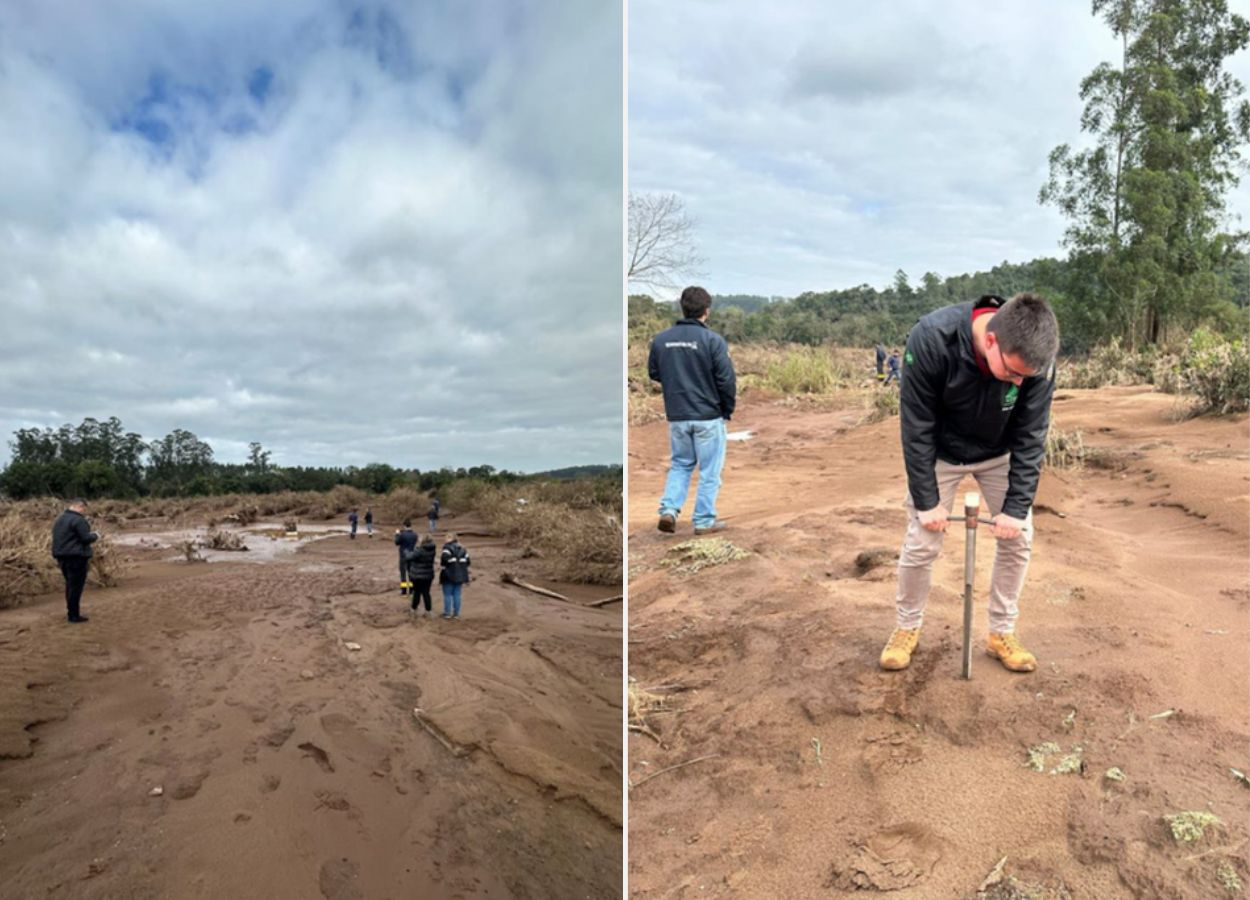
(26, 563)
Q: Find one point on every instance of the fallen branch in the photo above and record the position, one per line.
(509, 578)
(689, 762)
(597, 603)
(643, 729)
(431, 729)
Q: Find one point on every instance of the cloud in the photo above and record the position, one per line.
(352, 233)
(818, 150)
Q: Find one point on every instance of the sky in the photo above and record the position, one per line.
(354, 232)
(823, 146)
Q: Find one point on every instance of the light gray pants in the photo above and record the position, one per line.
(920, 547)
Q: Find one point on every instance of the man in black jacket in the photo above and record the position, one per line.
(421, 573)
(72, 538)
(454, 575)
(974, 400)
(692, 364)
(406, 541)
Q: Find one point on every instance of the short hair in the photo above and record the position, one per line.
(695, 301)
(452, 536)
(76, 501)
(407, 523)
(1026, 327)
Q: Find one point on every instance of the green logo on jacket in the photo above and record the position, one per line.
(908, 358)
(1009, 398)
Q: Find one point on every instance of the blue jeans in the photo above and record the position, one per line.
(433, 525)
(451, 599)
(701, 442)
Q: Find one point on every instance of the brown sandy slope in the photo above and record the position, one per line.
(834, 776)
(293, 767)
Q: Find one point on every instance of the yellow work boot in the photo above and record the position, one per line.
(1006, 647)
(897, 653)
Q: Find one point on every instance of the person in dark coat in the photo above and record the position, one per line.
(880, 351)
(975, 396)
(894, 367)
(691, 363)
(433, 514)
(369, 521)
(72, 538)
(421, 573)
(454, 574)
(352, 518)
(406, 541)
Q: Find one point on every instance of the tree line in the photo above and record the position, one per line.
(101, 459)
(1152, 253)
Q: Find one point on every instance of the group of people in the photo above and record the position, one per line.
(975, 387)
(353, 518)
(416, 570)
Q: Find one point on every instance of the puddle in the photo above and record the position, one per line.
(266, 541)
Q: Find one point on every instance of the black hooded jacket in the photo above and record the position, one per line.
(421, 564)
(950, 411)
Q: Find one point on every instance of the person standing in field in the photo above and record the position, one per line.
(406, 541)
(433, 514)
(974, 399)
(691, 362)
(454, 575)
(893, 368)
(352, 519)
(880, 351)
(421, 573)
(72, 538)
(369, 521)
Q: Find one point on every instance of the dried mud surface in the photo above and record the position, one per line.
(830, 777)
(292, 766)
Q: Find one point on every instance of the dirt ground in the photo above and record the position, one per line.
(291, 766)
(828, 776)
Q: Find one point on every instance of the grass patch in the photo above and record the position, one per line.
(1065, 449)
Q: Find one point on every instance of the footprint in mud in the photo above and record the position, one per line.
(337, 802)
(270, 783)
(322, 758)
(187, 786)
(900, 856)
(894, 749)
(278, 736)
(338, 880)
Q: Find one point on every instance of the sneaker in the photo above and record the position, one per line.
(77, 619)
(456, 616)
(667, 523)
(445, 616)
(1006, 648)
(708, 529)
(898, 651)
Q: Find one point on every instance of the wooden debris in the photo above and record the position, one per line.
(509, 578)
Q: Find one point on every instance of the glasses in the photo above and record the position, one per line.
(1008, 370)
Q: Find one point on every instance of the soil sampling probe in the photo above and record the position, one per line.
(972, 505)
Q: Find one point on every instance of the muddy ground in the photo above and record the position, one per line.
(829, 777)
(291, 766)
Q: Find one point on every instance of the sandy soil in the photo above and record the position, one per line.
(292, 766)
(830, 776)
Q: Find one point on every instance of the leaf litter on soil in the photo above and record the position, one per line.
(689, 557)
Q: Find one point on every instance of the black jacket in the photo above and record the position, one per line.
(691, 362)
(454, 563)
(406, 541)
(421, 564)
(71, 536)
(950, 411)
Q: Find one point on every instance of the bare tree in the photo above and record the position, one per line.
(661, 240)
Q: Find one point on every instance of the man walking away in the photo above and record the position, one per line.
(406, 541)
(692, 364)
(454, 575)
(435, 506)
(893, 367)
(421, 573)
(880, 350)
(974, 400)
(352, 519)
(72, 538)
(369, 521)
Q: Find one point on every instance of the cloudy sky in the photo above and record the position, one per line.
(352, 231)
(823, 146)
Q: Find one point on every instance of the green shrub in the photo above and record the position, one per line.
(1217, 373)
(802, 370)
